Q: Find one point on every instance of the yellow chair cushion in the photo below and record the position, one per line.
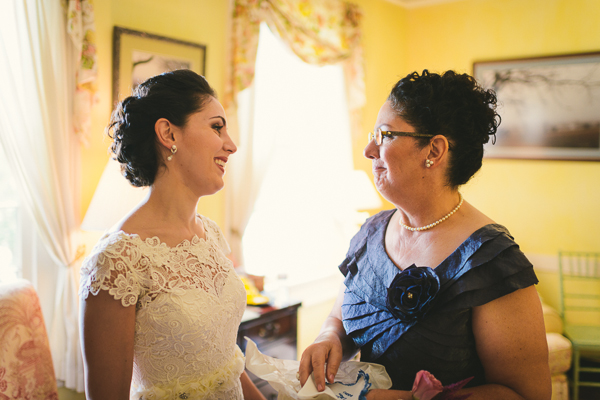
(552, 319)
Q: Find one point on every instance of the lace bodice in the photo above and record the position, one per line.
(189, 303)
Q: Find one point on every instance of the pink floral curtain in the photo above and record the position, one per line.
(318, 31)
(82, 31)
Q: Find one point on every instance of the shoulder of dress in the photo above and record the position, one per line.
(117, 239)
(113, 245)
(481, 247)
(117, 261)
(487, 266)
(213, 231)
(110, 240)
(367, 230)
(372, 224)
(209, 224)
(382, 216)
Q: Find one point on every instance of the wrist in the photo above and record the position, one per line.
(327, 335)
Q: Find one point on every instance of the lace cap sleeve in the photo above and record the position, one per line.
(214, 231)
(116, 265)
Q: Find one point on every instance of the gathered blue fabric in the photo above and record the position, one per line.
(486, 266)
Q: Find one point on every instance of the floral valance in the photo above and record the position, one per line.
(82, 31)
(318, 31)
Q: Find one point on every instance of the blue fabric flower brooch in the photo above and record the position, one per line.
(412, 293)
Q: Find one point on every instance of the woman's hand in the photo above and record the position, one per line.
(330, 347)
(327, 349)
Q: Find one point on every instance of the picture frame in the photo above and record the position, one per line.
(550, 106)
(138, 56)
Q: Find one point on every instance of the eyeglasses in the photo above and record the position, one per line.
(379, 135)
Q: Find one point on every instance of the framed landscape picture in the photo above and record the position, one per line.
(138, 56)
(550, 106)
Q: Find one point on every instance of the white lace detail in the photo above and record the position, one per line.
(189, 304)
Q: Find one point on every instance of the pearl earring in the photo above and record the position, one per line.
(428, 163)
(173, 151)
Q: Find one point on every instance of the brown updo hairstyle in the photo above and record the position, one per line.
(174, 95)
(453, 105)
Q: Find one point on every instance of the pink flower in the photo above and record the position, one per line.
(426, 387)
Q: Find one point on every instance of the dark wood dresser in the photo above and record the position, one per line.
(275, 332)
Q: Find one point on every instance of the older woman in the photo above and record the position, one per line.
(160, 301)
(435, 284)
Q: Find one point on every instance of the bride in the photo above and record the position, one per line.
(165, 304)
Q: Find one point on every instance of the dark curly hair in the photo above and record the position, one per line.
(172, 95)
(453, 105)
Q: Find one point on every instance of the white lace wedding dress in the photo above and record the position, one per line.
(189, 303)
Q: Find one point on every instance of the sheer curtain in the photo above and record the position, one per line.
(41, 70)
(303, 217)
(320, 32)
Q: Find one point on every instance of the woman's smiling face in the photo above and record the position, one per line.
(203, 149)
(398, 162)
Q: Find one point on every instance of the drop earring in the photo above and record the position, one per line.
(173, 151)
(428, 163)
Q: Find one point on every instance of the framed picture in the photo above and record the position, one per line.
(550, 106)
(138, 56)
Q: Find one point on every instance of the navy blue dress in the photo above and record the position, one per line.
(409, 322)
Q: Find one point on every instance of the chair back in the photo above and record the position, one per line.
(26, 369)
(579, 277)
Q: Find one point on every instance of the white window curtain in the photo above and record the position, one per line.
(38, 63)
(320, 32)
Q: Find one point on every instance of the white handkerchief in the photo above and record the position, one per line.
(336, 390)
(352, 378)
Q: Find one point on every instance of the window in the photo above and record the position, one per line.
(10, 226)
(302, 220)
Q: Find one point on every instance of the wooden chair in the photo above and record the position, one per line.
(579, 277)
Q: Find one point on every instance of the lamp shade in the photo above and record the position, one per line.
(113, 199)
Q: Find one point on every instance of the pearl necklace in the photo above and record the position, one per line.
(445, 217)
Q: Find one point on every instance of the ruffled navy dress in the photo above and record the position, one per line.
(426, 329)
